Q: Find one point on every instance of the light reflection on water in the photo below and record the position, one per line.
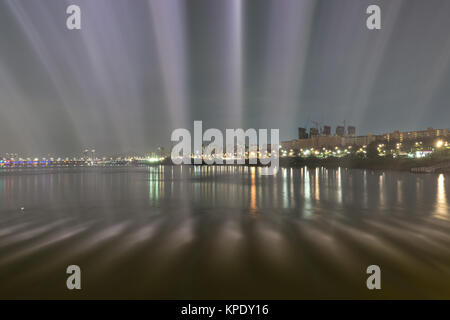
(223, 232)
(442, 208)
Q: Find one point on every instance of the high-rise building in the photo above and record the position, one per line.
(313, 132)
(160, 152)
(86, 154)
(302, 134)
(340, 131)
(351, 131)
(326, 131)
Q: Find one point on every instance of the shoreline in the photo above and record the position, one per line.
(381, 163)
(387, 164)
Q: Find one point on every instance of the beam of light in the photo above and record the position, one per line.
(287, 47)
(93, 71)
(106, 54)
(168, 21)
(373, 60)
(437, 73)
(29, 29)
(12, 96)
(234, 61)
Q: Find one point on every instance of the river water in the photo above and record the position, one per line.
(223, 232)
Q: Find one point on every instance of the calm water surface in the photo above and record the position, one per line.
(223, 232)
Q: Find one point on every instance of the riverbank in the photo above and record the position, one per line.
(350, 162)
(379, 163)
(355, 162)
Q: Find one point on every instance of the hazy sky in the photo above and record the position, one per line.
(139, 69)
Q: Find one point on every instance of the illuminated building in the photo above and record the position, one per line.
(340, 131)
(340, 140)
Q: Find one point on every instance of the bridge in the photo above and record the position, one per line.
(58, 163)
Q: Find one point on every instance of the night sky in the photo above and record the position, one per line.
(139, 69)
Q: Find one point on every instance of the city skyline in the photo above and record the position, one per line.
(133, 74)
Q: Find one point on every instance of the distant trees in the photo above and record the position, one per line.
(390, 145)
(408, 145)
(372, 150)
